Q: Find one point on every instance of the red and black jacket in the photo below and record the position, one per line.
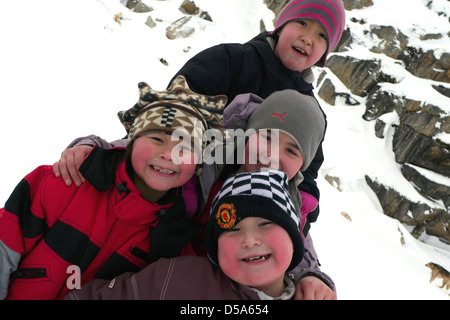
(104, 227)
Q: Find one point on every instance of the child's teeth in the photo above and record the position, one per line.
(163, 170)
(257, 258)
(300, 50)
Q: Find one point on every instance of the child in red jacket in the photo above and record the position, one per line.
(53, 238)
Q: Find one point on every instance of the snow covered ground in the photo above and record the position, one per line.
(66, 69)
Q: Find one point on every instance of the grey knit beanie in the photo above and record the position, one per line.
(295, 114)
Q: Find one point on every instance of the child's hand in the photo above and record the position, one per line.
(312, 288)
(71, 160)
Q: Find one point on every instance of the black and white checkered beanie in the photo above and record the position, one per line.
(254, 194)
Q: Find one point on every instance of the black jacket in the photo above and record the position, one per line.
(235, 68)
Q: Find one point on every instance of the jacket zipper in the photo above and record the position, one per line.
(28, 273)
(108, 247)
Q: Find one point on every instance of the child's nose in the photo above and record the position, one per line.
(166, 154)
(251, 239)
(306, 37)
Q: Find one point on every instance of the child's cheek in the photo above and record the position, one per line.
(279, 240)
(227, 250)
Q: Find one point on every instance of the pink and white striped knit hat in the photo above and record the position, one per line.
(329, 13)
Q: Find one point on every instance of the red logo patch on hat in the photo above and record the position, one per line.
(225, 216)
(280, 115)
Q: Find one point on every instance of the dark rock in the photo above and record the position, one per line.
(426, 65)
(379, 128)
(409, 146)
(429, 189)
(442, 90)
(189, 7)
(356, 4)
(360, 76)
(399, 207)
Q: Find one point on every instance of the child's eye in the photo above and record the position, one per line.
(265, 223)
(156, 139)
(323, 36)
(292, 152)
(302, 23)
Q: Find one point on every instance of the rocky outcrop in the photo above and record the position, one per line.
(432, 220)
(413, 147)
(399, 207)
(415, 141)
(426, 187)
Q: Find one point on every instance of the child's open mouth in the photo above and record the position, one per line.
(300, 50)
(165, 171)
(257, 258)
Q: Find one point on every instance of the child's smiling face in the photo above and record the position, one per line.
(301, 44)
(157, 166)
(256, 253)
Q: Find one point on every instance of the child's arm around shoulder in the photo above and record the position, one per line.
(71, 159)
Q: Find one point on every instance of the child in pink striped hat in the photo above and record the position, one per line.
(307, 31)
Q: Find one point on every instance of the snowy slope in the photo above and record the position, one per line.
(66, 68)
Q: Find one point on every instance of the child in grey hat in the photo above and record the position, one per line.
(290, 112)
(292, 118)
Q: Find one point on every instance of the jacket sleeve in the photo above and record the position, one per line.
(93, 140)
(148, 283)
(122, 287)
(208, 72)
(21, 226)
(9, 260)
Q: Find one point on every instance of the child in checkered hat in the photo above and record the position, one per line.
(252, 239)
(253, 233)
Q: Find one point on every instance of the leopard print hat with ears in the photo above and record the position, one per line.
(178, 108)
